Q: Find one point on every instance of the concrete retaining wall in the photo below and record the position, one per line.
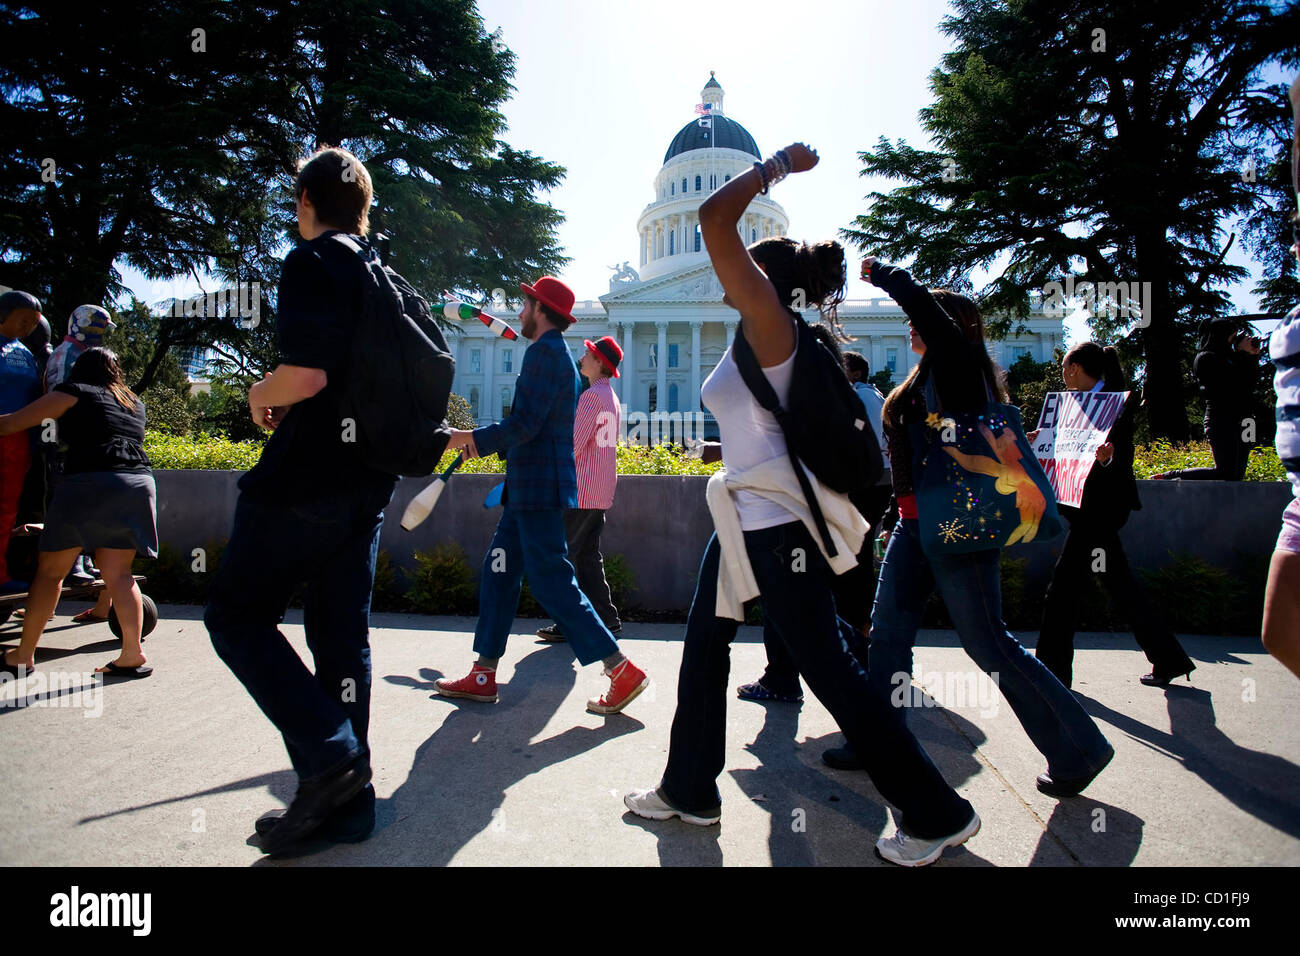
(660, 524)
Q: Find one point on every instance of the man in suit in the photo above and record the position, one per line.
(541, 481)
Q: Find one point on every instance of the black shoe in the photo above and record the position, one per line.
(842, 758)
(551, 633)
(351, 823)
(1073, 786)
(315, 802)
(1163, 678)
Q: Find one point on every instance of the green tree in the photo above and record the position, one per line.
(1093, 140)
(175, 134)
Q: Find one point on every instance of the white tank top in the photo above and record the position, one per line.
(750, 434)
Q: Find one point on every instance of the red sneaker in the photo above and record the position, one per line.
(625, 682)
(480, 684)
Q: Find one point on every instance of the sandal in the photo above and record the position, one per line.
(12, 669)
(756, 691)
(130, 673)
(86, 617)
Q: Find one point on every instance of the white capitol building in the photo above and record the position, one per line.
(667, 313)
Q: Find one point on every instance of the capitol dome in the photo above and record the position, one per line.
(705, 153)
(724, 134)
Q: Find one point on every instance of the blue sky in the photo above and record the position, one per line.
(603, 85)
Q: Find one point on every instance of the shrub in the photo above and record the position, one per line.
(1198, 598)
(209, 452)
(621, 579)
(1161, 456)
(171, 578)
(442, 582)
(386, 595)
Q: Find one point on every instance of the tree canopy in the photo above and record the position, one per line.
(1113, 143)
(169, 138)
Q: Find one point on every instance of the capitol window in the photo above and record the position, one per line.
(683, 184)
(697, 238)
(672, 190)
(672, 355)
(891, 359)
(507, 360)
(476, 360)
(672, 399)
(698, 181)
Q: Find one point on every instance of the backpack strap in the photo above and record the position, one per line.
(765, 395)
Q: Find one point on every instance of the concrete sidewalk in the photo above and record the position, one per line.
(173, 770)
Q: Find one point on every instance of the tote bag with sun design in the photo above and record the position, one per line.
(978, 484)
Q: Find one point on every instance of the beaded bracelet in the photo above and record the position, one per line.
(781, 160)
(762, 174)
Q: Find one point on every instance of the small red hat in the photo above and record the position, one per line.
(551, 292)
(607, 350)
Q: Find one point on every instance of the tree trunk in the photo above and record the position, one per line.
(1163, 390)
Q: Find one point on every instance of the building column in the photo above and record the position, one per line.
(731, 332)
(487, 404)
(693, 405)
(616, 384)
(661, 366)
(628, 341)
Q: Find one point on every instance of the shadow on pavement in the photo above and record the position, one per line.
(1262, 784)
(456, 786)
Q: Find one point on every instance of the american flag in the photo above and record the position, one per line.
(703, 108)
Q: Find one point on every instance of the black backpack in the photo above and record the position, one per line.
(825, 424)
(399, 375)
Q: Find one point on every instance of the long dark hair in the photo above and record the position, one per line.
(818, 271)
(98, 366)
(1216, 334)
(1100, 362)
(969, 320)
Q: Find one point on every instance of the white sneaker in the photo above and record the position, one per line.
(648, 804)
(907, 850)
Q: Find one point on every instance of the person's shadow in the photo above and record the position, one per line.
(457, 782)
(825, 817)
(1263, 784)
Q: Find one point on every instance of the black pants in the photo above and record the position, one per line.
(855, 590)
(1231, 453)
(1094, 542)
(801, 609)
(582, 527)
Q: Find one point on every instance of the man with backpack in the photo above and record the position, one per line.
(309, 515)
(536, 439)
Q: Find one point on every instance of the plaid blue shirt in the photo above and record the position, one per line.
(536, 438)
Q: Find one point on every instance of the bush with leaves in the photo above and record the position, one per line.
(442, 582)
(207, 452)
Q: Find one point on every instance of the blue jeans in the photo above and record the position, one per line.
(330, 546)
(971, 589)
(800, 609)
(533, 541)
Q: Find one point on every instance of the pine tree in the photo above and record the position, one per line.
(1108, 141)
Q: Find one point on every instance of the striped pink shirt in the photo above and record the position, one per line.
(595, 435)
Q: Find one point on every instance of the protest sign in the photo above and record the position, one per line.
(1071, 427)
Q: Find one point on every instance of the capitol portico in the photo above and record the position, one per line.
(667, 313)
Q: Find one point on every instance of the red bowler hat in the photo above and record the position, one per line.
(607, 350)
(551, 292)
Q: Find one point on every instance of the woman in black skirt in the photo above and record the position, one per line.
(104, 503)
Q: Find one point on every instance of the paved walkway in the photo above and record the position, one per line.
(174, 769)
